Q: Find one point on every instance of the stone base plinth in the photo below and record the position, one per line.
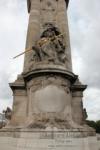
(29, 139)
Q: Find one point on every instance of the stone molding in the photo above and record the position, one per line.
(29, 4)
(47, 71)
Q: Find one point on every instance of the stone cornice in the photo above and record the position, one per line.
(47, 71)
(29, 4)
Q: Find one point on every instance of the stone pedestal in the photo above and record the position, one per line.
(29, 139)
(47, 97)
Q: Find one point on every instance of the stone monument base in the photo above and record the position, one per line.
(49, 139)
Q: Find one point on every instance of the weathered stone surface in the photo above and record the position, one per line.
(29, 4)
(28, 139)
(39, 12)
(47, 93)
(49, 99)
(48, 111)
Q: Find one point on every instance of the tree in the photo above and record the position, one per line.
(98, 126)
(95, 125)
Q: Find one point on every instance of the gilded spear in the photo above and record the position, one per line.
(39, 43)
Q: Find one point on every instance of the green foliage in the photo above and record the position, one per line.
(98, 126)
(95, 125)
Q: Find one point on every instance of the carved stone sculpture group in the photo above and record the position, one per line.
(50, 47)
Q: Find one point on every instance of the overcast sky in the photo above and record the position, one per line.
(84, 26)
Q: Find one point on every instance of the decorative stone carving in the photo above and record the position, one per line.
(44, 121)
(49, 98)
(51, 79)
(48, 8)
(48, 4)
(39, 11)
(50, 47)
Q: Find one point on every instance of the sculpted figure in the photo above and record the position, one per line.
(51, 46)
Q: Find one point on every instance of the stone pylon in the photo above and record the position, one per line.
(48, 109)
(48, 90)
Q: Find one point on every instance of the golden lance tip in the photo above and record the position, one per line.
(27, 50)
